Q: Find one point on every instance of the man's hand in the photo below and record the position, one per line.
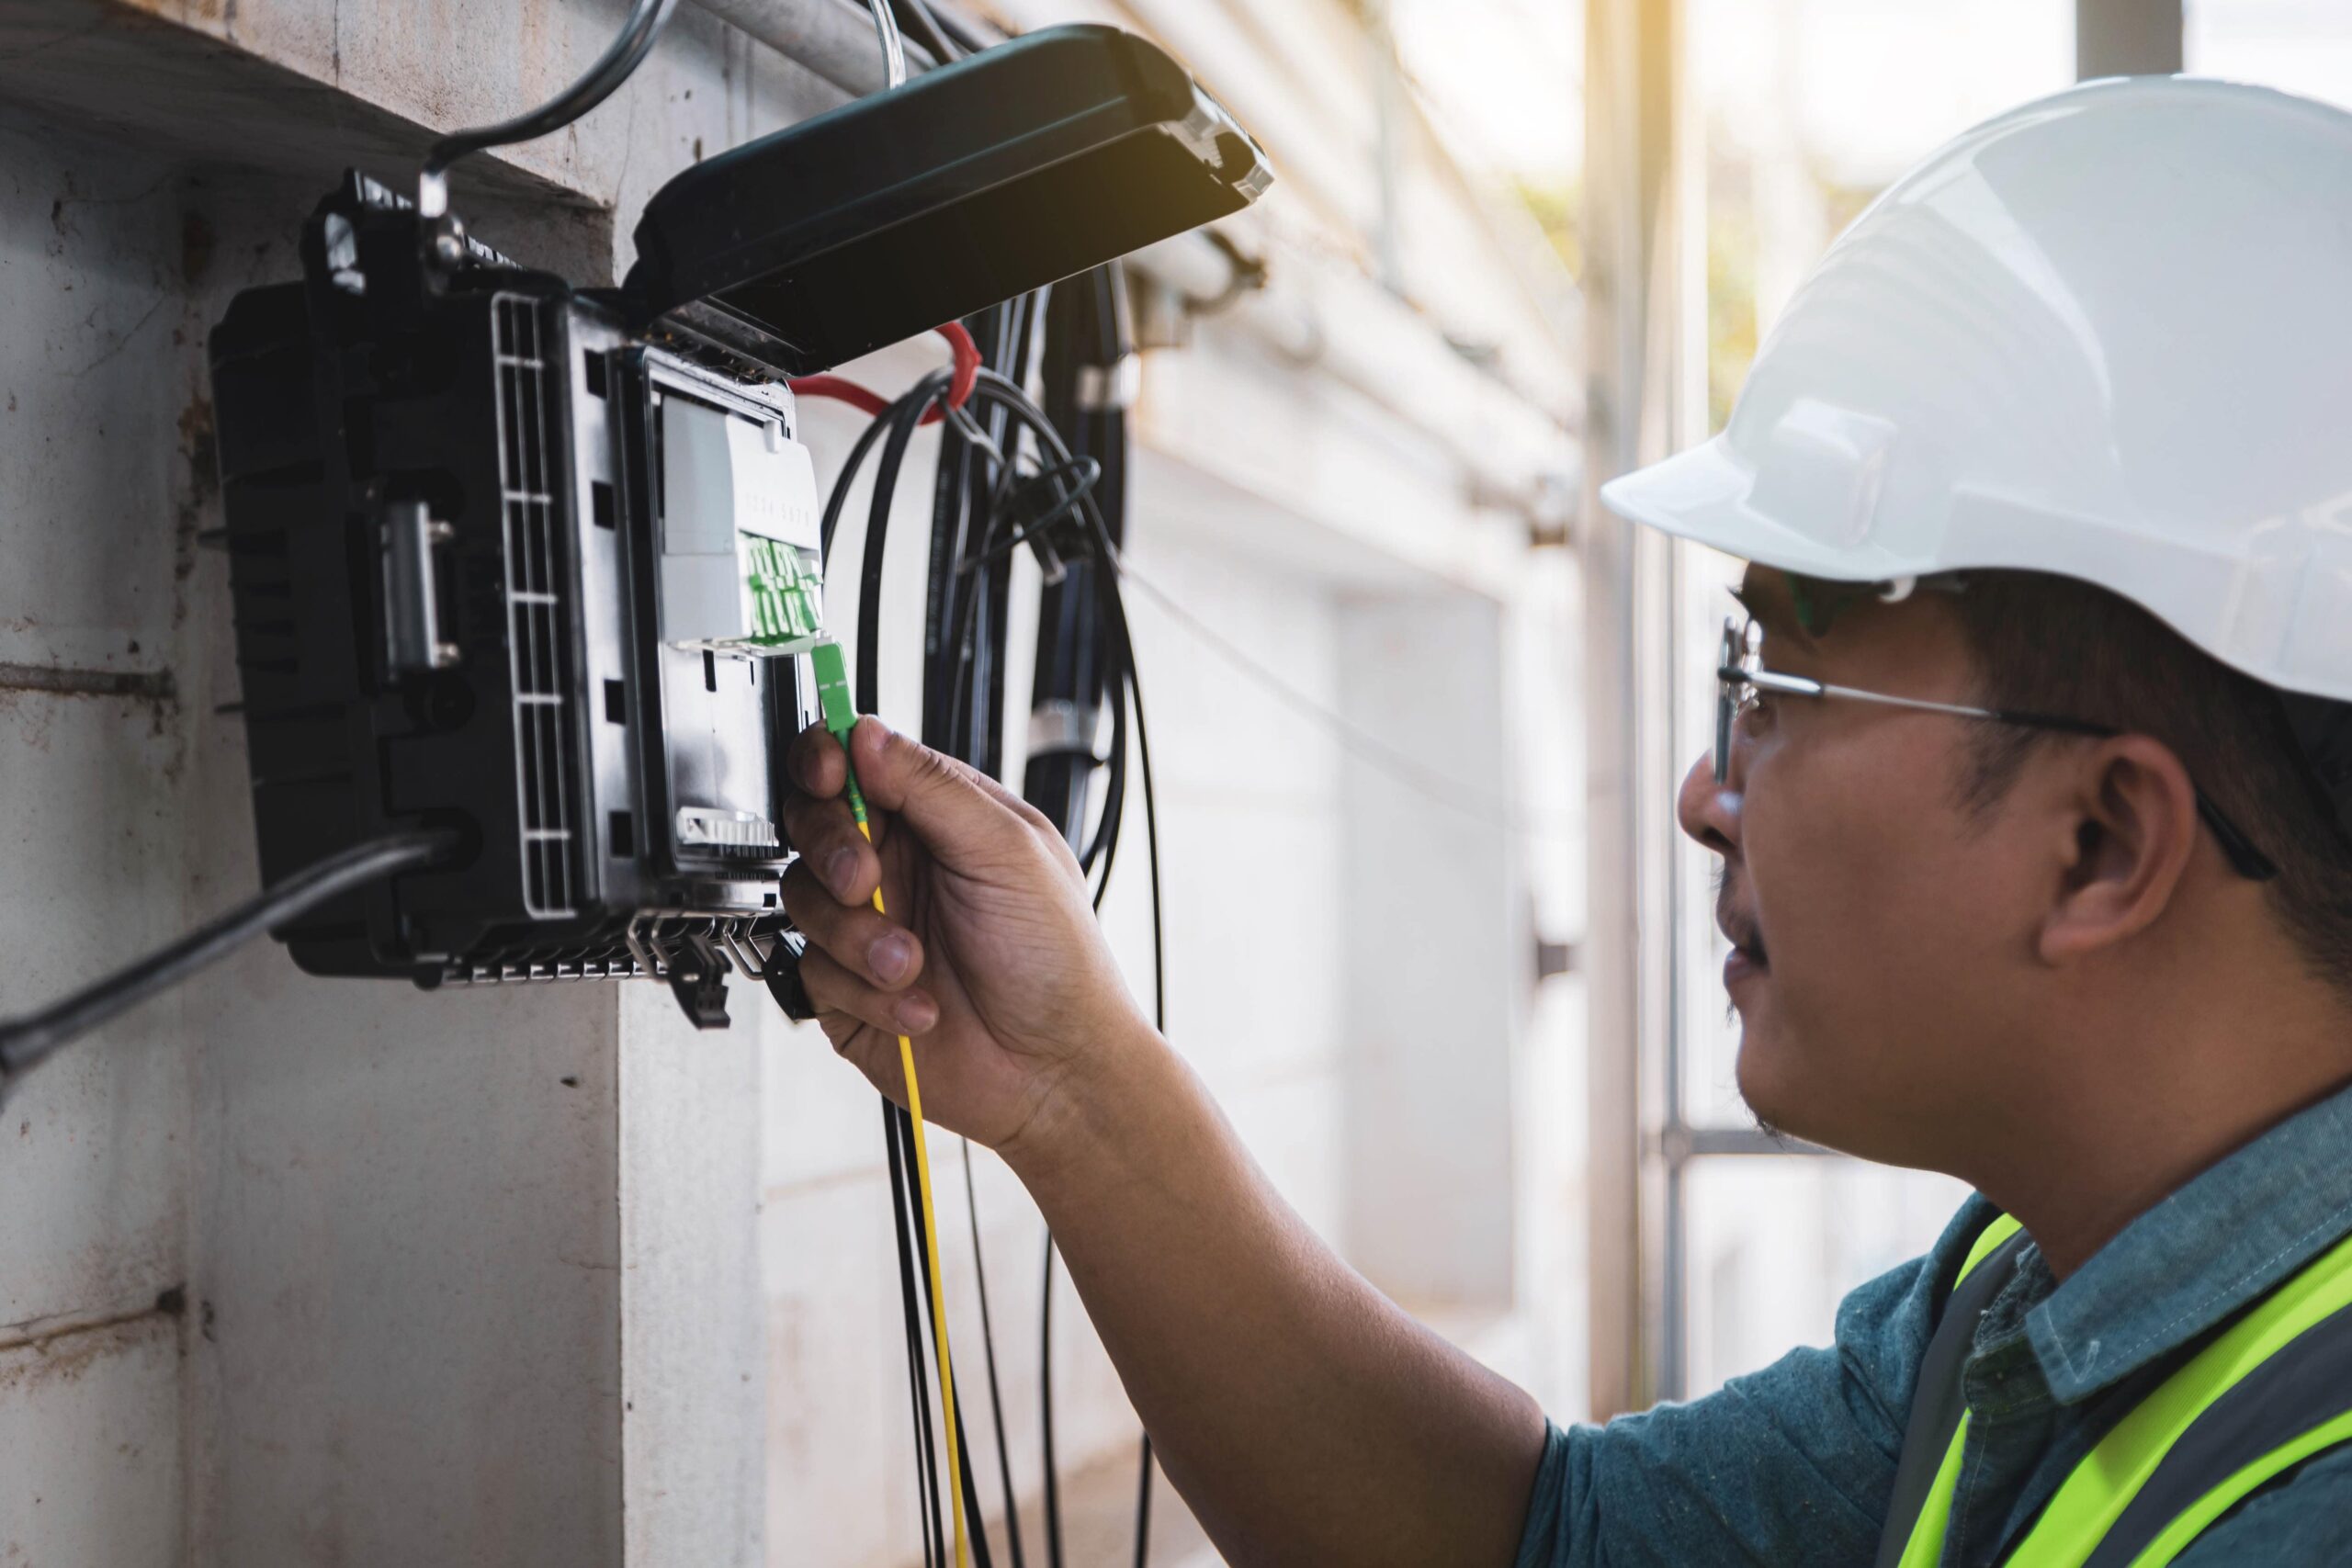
(989, 959)
(1303, 1416)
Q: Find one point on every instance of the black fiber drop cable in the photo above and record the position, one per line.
(620, 62)
(1117, 614)
(947, 513)
(1159, 975)
(954, 509)
(931, 1526)
(1012, 362)
(1076, 511)
(834, 502)
(916, 17)
(1143, 1504)
(899, 1131)
(980, 1539)
(994, 390)
(957, 679)
(1086, 335)
(934, 1540)
(1122, 648)
(953, 514)
(27, 1042)
(975, 674)
(1104, 846)
(1046, 1411)
(903, 418)
(967, 682)
(988, 1351)
(952, 506)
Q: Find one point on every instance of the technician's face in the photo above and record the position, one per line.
(1872, 916)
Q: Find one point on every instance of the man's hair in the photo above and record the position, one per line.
(2053, 645)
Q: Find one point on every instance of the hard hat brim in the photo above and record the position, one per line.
(1706, 495)
(1709, 496)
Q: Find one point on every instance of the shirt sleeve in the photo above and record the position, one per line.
(1791, 1464)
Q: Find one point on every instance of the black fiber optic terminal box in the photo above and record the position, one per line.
(500, 567)
(531, 564)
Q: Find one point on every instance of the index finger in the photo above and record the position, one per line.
(816, 764)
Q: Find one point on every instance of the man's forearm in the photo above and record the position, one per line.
(1305, 1418)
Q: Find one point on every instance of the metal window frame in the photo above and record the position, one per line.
(1637, 271)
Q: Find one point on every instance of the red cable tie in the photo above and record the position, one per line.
(968, 364)
(841, 389)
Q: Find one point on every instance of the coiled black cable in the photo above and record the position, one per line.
(987, 505)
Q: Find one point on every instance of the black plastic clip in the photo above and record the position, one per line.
(700, 984)
(784, 977)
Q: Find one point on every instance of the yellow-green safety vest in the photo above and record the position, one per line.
(2267, 1393)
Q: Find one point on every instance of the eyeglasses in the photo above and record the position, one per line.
(1740, 676)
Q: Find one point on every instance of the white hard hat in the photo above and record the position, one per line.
(2108, 335)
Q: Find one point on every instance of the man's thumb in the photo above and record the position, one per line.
(952, 808)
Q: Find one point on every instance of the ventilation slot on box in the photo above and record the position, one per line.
(540, 634)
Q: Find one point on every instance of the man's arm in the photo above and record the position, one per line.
(1303, 1417)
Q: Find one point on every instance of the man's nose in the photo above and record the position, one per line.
(1709, 811)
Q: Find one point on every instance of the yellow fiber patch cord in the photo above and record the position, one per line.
(841, 718)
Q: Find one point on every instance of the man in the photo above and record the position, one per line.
(2031, 794)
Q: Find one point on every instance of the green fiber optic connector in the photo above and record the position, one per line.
(832, 689)
(781, 592)
(840, 711)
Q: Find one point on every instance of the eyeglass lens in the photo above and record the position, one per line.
(1739, 650)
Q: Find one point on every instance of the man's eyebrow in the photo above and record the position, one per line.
(1777, 618)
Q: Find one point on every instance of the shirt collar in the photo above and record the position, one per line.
(2218, 1243)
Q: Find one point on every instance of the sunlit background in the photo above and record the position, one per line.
(1453, 1141)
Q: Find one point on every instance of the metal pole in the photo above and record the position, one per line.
(834, 38)
(1636, 238)
(2126, 37)
(1388, 92)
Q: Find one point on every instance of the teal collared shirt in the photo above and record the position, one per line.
(1794, 1464)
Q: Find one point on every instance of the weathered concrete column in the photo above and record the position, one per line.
(296, 1272)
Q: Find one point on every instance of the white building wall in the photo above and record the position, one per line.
(1251, 862)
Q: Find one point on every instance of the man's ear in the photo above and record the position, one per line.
(2132, 812)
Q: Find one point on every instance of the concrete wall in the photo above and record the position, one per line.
(300, 1272)
(383, 1225)
(99, 499)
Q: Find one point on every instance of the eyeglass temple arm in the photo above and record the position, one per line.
(1803, 686)
(2244, 859)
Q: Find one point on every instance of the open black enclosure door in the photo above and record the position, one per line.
(1002, 172)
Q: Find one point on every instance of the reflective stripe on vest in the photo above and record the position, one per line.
(1920, 1502)
(2268, 1392)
